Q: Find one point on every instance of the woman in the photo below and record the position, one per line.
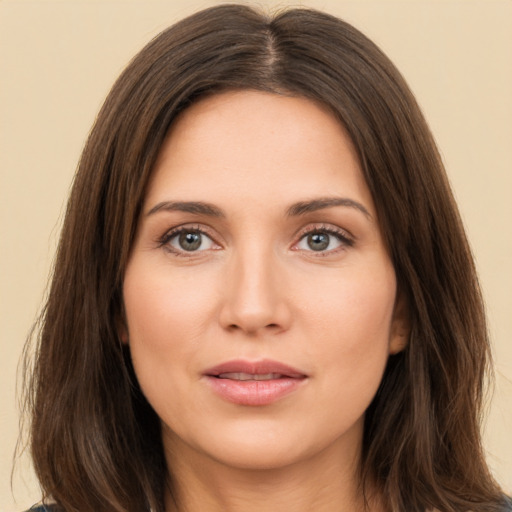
(263, 296)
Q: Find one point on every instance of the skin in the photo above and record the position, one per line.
(255, 289)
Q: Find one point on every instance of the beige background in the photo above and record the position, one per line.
(59, 58)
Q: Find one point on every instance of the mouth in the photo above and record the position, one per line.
(254, 383)
(250, 376)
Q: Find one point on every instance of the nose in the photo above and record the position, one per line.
(254, 298)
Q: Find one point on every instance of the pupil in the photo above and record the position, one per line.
(190, 241)
(318, 241)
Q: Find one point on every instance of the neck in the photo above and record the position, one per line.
(323, 483)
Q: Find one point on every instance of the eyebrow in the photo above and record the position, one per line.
(304, 207)
(196, 207)
(296, 209)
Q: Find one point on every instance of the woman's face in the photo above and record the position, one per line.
(259, 296)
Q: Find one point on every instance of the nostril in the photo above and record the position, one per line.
(236, 327)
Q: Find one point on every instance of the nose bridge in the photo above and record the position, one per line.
(253, 298)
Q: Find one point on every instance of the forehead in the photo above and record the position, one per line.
(259, 147)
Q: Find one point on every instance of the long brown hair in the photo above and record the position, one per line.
(95, 440)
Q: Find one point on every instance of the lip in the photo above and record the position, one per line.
(254, 392)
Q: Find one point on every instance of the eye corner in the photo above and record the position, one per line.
(173, 240)
(330, 240)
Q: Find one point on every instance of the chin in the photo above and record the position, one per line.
(263, 445)
(258, 456)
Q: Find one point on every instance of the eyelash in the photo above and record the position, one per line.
(346, 240)
(172, 233)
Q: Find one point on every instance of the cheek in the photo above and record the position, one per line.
(163, 308)
(167, 319)
(349, 320)
(356, 304)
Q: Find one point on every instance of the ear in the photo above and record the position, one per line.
(123, 334)
(122, 327)
(400, 325)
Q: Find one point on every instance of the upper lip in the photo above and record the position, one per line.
(260, 367)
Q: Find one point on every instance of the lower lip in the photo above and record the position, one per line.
(254, 392)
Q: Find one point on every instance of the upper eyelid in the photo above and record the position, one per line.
(164, 242)
(330, 228)
(187, 226)
(172, 232)
(346, 239)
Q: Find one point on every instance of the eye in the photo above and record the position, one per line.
(323, 240)
(188, 240)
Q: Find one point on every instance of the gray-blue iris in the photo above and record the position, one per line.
(318, 241)
(190, 241)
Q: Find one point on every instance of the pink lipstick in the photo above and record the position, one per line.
(254, 383)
